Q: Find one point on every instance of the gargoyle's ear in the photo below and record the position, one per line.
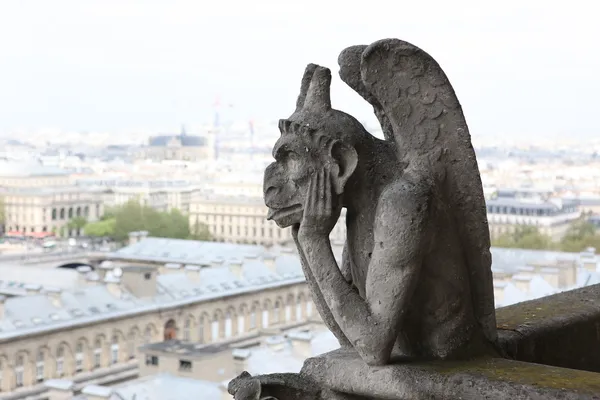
(344, 165)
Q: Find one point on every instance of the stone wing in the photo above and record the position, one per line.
(419, 111)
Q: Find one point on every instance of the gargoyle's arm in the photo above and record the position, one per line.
(317, 296)
(372, 325)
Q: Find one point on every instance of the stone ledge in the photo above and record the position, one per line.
(561, 330)
(343, 371)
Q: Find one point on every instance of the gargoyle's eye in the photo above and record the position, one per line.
(287, 155)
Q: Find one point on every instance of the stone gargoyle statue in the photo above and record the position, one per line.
(415, 280)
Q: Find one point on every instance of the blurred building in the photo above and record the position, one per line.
(179, 147)
(91, 333)
(40, 200)
(243, 219)
(510, 209)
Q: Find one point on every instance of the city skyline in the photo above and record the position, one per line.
(115, 66)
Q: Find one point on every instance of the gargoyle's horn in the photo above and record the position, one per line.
(318, 93)
(308, 74)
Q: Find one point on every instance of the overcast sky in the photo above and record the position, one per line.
(527, 68)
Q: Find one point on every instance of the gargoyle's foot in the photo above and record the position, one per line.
(273, 387)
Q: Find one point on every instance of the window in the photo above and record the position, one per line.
(131, 345)
(288, 312)
(1, 366)
(148, 276)
(299, 310)
(185, 365)
(114, 350)
(201, 330)
(276, 313)
(265, 318)
(151, 360)
(19, 370)
(240, 324)
(214, 328)
(186, 329)
(39, 366)
(147, 335)
(97, 353)
(60, 361)
(228, 325)
(253, 319)
(79, 357)
(309, 308)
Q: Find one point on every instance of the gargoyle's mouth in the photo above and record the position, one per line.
(278, 213)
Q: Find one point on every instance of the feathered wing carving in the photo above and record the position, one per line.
(419, 111)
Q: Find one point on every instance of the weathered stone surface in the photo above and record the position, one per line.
(416, 271)
(561, 330)
(273, 387)
(488, 378)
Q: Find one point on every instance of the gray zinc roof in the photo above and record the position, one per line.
(186, 251)
(39, 313)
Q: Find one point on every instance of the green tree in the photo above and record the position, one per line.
(77, 223)
(133, 216)
(524, 237)
(200, 232)
(103, 228)
(580, 235)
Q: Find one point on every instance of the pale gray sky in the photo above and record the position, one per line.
(527, 68)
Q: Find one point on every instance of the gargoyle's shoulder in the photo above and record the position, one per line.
(404, 192)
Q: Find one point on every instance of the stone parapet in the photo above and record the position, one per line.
(561, 330)
(343, 371)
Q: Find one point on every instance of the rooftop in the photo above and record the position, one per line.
(29, 169)
(157, 387)
(55, 309)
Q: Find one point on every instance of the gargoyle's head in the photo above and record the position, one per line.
(314, 136)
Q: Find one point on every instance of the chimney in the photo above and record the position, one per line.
(269, 260)
(140, 281)
(59, 389)
(83, 272)
(240, 360)
(55, 296)
(32, 288)
(113, 285)
(192, 272)
(526, 270)
(522, 282)
(235, 266)
(133, 237)
(2, 301)
(103, 268)
(567, 274)
(142, 235)
(96, 392)
(499, 292)
(217, 261)
(501, 275)
(170, 268)
(301, 343)
(550, 275)
(589, 260)
(275, 343)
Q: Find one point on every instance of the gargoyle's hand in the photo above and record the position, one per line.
(321, 211)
